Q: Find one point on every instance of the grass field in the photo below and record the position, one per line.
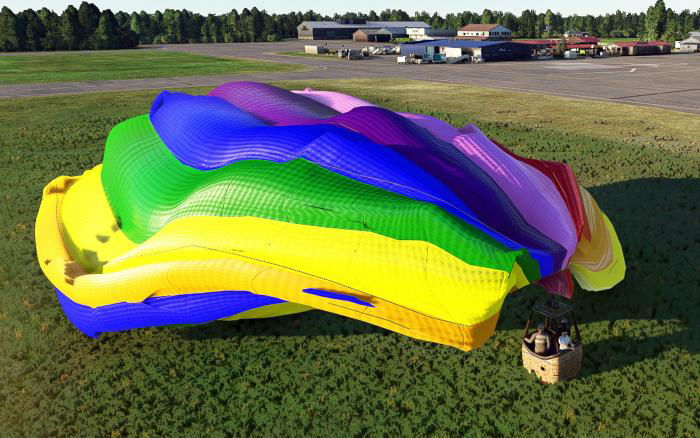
(320, 374)
(120, 64)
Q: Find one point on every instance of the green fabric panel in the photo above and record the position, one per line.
(147, 187)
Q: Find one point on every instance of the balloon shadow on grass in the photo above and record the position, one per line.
(658, 223)
(311, 323)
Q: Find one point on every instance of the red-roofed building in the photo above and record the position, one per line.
(582, 40)
(584, 45)
(484, 32)
(633, 48)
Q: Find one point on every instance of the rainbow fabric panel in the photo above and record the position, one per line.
(256, 202)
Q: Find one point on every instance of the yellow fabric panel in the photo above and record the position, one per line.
(517, 279)
(393, 270)
(610, 275)
(205, 254)
(50, 230)
(270, 311)
(53, 256)
(594, 254)
(90, 231)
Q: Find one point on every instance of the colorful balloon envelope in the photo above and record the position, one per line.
(255, 202)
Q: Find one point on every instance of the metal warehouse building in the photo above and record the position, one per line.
(488, 50)
(343, 29)
(382, 35)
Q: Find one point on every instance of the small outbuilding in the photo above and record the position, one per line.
(315, 50)
(691, 44)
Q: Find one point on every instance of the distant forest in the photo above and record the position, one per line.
(88, 28)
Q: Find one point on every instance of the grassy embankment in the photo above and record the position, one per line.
(319, 374)
(123, 64)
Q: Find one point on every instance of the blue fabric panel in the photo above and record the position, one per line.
(337, 296)
(156, 311)
(186, 126)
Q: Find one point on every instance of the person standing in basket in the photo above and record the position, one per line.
(565, 342)
(541, 340)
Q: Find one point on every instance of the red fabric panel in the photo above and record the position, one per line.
(560, 284)
(565, 181)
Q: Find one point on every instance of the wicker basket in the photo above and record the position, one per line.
(564, 366)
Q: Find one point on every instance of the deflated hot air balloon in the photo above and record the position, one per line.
(254, 201)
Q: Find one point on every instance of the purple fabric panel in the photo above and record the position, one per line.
(338, 101)
(442, 130)
(344, 103)
(534, 195)
(271, 104)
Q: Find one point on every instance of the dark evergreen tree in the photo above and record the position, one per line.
(9, 40)
(34, 30)
(87, 28)
(105, 35)
(510, 21)
(52, 24)
(89, 18)
(247, 34)
(143, 24)
(211, 29)
(155, 29)
(540, 25)
(21, 26)
(528, 24)
(256, 23)
(69, 29)
(549, 24)
(137, 26)
(655, 24)
(231, 27)
(193, 25)
(673, 31)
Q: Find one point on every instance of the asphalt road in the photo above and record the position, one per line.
(666, 81)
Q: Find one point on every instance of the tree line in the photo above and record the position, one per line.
(88, 28)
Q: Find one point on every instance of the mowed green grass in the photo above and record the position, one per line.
(319, 374)
(124, 64)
